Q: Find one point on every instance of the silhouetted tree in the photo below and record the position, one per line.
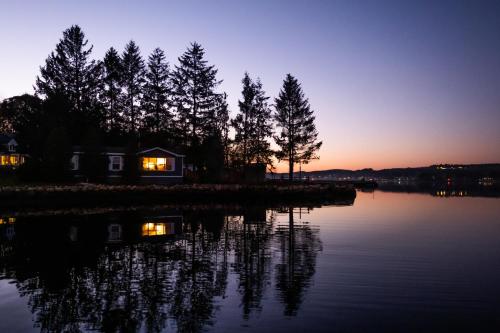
(243, 123)
(70, 74)
(297, 140)
(112, 95)
(23, 116)
(253, 125)
(223, 127)
(196, 102)
(157, 117)
(261, 147)
(133, 77)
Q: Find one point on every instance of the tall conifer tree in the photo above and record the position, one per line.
(71, 76)
(261, 146)
(133, 76)
(253, 127)
(156, 99)
(297, 139)
(112, 96)
(194, 83)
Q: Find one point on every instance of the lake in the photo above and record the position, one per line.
(389, 262)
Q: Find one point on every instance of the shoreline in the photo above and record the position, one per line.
(95, 195)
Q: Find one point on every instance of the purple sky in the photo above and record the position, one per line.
(393, 83)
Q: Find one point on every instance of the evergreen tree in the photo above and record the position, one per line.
(112, 96)
(133, 76)
(297, 140)
(69, 74)
(223, 125)
(260, 146)
(243, 123)
(156, 103)
(253, 125)
(194, 83)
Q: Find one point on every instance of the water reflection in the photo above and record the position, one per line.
(125, 272)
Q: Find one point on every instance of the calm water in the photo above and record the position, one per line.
(390, 262)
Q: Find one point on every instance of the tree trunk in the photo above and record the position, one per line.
(290, 170)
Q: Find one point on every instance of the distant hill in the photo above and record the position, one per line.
(439, 172)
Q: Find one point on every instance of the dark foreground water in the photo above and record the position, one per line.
(391, 262)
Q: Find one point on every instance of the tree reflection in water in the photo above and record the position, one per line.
(103, 273)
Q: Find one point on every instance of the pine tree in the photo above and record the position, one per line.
(297, 139)
(194, 83)
(111, 95)
(133, 76)
(157, 91)
(223, 126)
(243, 123)
(253, 125)
(69, 74)
(261, 151)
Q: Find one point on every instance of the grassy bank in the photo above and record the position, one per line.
(17, 197)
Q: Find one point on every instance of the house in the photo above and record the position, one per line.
(10, 157)
(153, 165)
(159, 165)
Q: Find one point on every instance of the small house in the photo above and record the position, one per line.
(159, 165)
(10, 157)
(153, 165)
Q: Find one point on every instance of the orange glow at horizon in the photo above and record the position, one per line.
(380, 159)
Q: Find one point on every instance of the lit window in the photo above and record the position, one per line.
(74, 162)
(10, 220)
(115, 163)
(157, 229)
(11, 160)
(158, 164)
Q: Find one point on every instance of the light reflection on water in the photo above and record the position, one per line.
(390, 262)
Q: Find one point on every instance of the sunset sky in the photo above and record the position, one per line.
(392, 83)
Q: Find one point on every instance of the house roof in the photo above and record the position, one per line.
(123, 150)
(161, 149)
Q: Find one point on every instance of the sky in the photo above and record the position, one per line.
(392, 83)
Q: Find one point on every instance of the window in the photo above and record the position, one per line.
(114, 232)
(12, 148)
(9, 160)
(158, 164)
(115, 163)
(74, 162)
(157, 229)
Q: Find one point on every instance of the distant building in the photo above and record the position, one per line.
(153, 165)
(10, 157)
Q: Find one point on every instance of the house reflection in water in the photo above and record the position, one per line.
(114, 233)
(7, 220)
(8, 231)
(154, 228)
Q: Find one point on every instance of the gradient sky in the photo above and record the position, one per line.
(393, 83)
